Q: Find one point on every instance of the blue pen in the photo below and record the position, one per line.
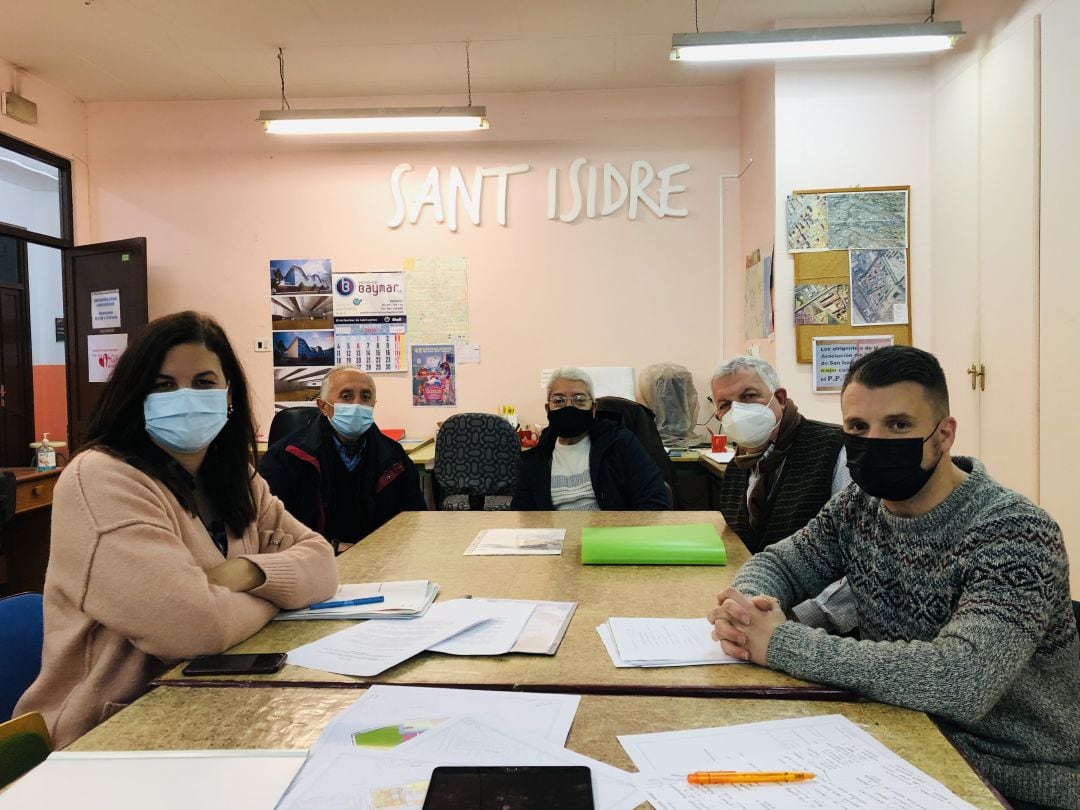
(367, 600)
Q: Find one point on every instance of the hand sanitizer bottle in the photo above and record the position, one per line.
(46, 455)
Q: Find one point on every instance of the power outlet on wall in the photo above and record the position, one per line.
(262, 345)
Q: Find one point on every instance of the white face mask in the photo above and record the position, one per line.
(749, 424)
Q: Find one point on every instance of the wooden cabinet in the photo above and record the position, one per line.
(24, 540)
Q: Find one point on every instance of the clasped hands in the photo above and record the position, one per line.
(744, 625)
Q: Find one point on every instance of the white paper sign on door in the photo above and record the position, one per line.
(105, 309)
(102, 353)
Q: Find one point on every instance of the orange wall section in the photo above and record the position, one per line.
(50, 403)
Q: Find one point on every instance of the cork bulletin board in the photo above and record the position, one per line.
(852, 263)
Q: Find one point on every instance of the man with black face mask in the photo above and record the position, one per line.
(961, 588)
(584, 464)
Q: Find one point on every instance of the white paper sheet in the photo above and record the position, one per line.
(720, 458)
(853, 770)
(494, 636)
(667, 642)
(517, 541)
(165, 780)
(545, 629)
(402, 599)
(398, 779)
(376, 645)
(526, 714)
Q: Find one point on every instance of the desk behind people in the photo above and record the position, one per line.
(24, 539)
(269, 718)
(431, 545)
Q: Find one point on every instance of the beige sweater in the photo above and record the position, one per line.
(126, 593)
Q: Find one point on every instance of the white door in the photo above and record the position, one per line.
(1008, 260)
(954, 250)
(1059, 326)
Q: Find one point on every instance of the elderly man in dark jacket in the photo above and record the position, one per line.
(341, 476)
(585, 464)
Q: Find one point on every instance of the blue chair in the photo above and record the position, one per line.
(21, 637)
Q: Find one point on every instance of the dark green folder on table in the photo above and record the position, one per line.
(688, 544)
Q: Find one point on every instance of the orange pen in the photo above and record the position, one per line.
(739, 778)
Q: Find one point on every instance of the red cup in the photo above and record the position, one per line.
(719, 443)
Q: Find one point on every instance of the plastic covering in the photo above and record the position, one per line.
(669, 390)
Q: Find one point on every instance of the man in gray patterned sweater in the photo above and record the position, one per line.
(961, 588)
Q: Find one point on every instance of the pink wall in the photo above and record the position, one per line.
(757, 197)
(60, 129)
(217, 198)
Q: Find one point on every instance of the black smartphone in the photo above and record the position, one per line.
(533, 787)
(235, 664)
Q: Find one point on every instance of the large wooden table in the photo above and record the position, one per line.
(430, 545)
(254, 718)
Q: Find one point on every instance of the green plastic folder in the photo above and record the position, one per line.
(687, 544)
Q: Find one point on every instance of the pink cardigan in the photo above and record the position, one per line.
(126, 592)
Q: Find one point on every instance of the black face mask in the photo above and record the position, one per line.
(569, 422)
(890, 469)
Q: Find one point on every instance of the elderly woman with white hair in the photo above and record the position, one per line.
(584, 464)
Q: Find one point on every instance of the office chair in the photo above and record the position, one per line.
(24, 744)
(640, 420)
(7, 496)
(290, 420)
(21, 637)
(476, 458)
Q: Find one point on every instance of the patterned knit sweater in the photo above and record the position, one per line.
(964, 613)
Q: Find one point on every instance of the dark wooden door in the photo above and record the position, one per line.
(91, 269)
(16, 370)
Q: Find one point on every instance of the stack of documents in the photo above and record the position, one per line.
(456, 627)
(517, 541)
(851, 769)
(380, 752)
(662, 643)
(407, 599)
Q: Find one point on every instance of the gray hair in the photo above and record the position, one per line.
(760, 367)
(571, 373)
(324, 389)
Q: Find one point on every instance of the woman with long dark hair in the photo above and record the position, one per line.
(165, 544)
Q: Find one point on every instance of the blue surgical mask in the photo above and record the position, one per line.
(186, 420)
(352, 420)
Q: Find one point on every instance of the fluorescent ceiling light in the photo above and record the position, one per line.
(805, 43)
(380, 120)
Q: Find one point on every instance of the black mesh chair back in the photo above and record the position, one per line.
(640, 420)
(476, 458)
(290, 420)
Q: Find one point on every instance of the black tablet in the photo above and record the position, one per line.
(532, 787)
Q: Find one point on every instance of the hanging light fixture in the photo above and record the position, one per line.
(373, 120)
(807, 43)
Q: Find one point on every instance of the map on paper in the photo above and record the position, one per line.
(807, 226)
(878, 286)
(756, 299)
(821, 304)
(867, 219)
(437, 302)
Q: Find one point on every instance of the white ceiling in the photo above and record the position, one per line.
(158, 50)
